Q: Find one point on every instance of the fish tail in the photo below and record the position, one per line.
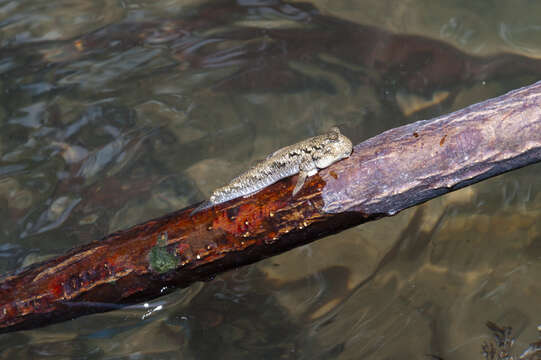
(204, 205)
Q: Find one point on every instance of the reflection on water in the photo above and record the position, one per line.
(115, 112)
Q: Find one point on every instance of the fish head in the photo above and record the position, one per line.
(334, 147)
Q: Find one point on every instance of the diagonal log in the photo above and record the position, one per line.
(388, 173)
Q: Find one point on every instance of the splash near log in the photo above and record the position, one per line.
(384, 175)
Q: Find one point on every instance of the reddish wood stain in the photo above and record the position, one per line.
(442, 141)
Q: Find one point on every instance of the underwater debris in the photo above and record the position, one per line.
(501, 347)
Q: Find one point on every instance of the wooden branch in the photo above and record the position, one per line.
(397, 169)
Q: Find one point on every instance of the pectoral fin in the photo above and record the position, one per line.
(300, 182)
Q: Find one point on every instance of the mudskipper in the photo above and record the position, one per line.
(304, 158)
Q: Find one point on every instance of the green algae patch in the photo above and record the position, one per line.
(159, 258)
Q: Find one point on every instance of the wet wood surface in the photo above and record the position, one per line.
(388, 173)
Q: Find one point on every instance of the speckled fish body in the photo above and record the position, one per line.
(303, 158)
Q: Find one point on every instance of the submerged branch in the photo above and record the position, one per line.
(395, 170)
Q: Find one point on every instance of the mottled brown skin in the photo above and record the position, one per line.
(303, 158)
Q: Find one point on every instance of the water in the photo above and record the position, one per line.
(112, 113)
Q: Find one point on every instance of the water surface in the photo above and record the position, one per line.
(114, 112)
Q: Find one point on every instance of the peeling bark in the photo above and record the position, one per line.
(386, 174)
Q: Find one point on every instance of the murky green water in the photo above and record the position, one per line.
(114, 112)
